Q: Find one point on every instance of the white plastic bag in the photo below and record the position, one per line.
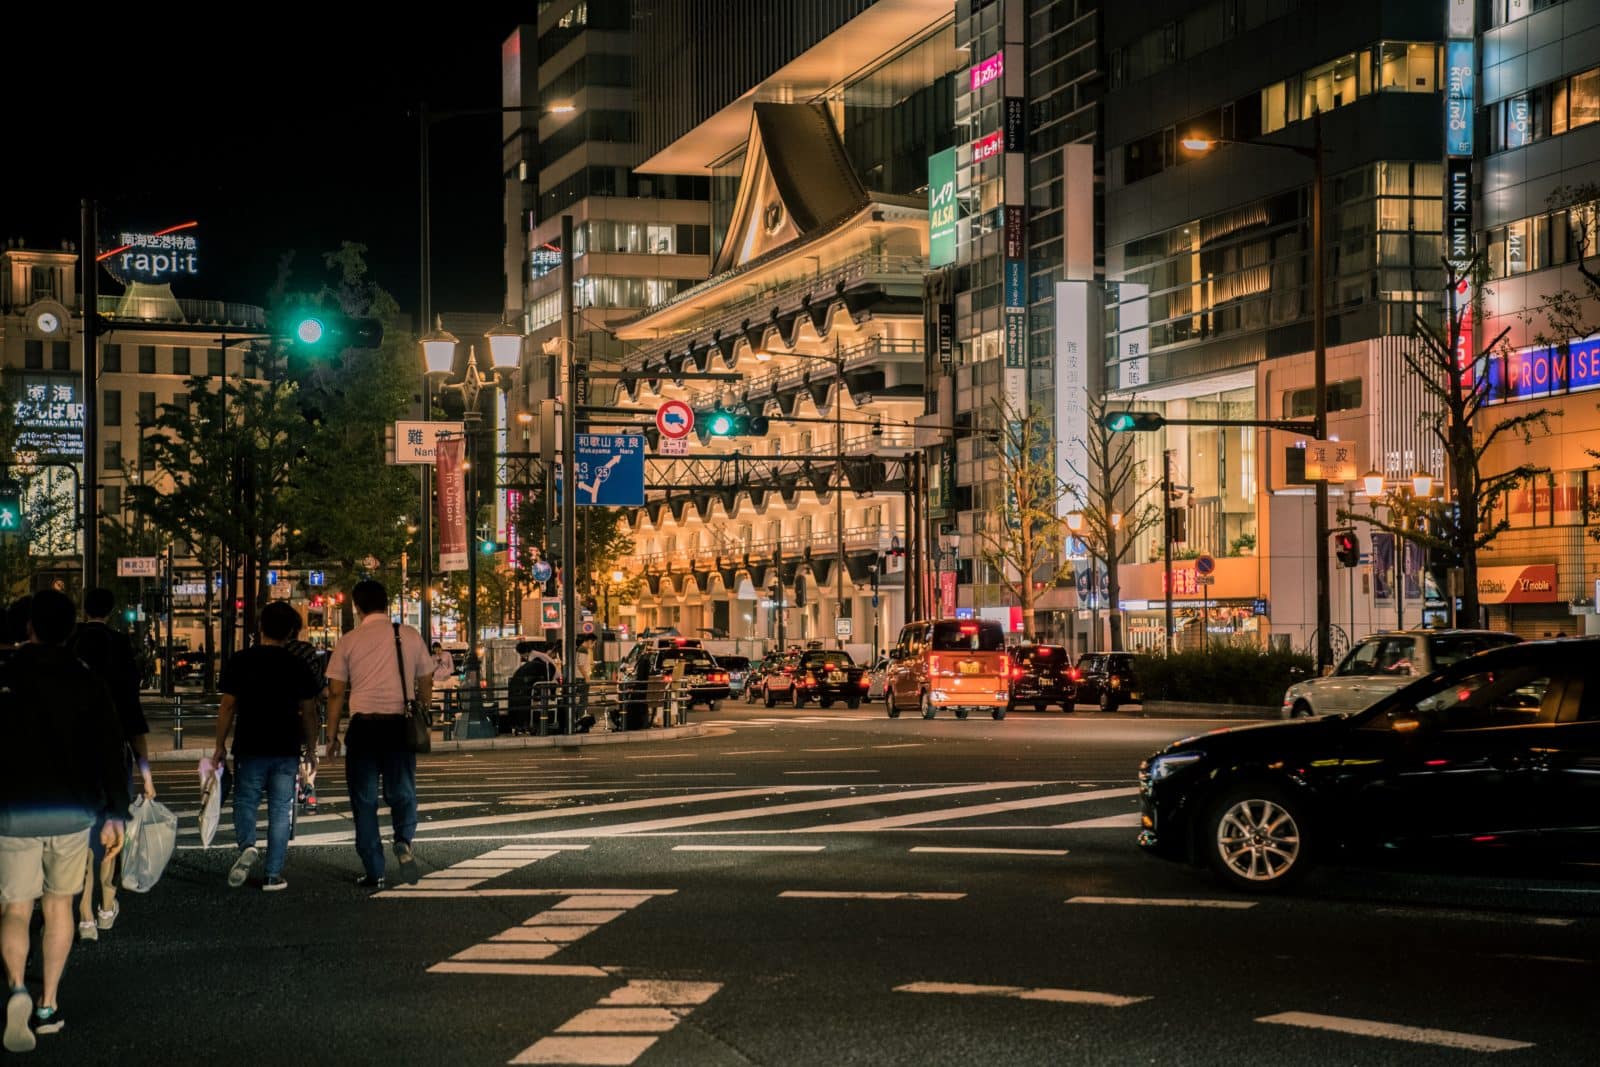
(152, 834)
(210, 799)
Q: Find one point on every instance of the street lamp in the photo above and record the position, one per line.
(471, 388)
(1314, 153)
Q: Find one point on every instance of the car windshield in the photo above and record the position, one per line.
(979, 636)
(1450, 649)
(831, 660)
(693, 657)
(1043, 655)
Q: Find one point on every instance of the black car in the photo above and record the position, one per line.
(708, 683)
(1498, 752)
(1104, 678)
(1040, 676)
(815, 674)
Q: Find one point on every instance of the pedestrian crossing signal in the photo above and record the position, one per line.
(12, 519)
(1347, 547)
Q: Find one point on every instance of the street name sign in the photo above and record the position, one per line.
(138, 567)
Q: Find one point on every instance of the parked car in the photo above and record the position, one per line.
(1493, 753)
(708, 683)
(1383, 663)
(827, 676)
(958, 664)
(738, 668)
(1104, 678)
(1040, 676)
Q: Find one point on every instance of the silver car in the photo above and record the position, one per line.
(1383, 663)
(876, 677)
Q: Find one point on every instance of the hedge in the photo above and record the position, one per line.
(1228, 674)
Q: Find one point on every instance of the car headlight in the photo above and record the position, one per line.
(1165, 766)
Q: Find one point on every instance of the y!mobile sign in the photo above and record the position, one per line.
(988, 71)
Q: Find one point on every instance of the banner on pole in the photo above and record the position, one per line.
(450, 472)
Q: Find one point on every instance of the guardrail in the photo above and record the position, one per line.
(491, 711)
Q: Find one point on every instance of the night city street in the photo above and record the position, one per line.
(821, 888)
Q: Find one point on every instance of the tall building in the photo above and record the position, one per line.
(638, 238)
(817, 164)
(1207, 259)
(1537, 64)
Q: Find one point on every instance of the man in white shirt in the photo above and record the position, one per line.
(376, 668)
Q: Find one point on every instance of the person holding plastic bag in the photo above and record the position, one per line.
(269, 695)
(61, 768)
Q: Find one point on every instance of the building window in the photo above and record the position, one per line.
(60, 355)
(111, 497)
(180, 361)
(44, 283)
(1342, 396)
(147, 359)
(111, 358)
(147, 408)
(111, 413)
(112, 456)
(215, 366)
(33, 355)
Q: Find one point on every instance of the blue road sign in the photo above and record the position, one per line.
(316, 578)
(610, 470)
(1204, 565)
(542, 571)
(272, 577)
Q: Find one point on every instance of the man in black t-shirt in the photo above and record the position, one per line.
(270, 694)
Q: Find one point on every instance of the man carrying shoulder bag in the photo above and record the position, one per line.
(381, 670)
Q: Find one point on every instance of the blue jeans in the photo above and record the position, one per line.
(274, 775)
(376, 748)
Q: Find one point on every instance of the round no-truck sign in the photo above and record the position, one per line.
(1204, 565)
(675, 419)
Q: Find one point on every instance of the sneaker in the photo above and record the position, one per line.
(105, 917)
(408, 862)
(241, 867)
(273, 884)
(19, 1006)
(366, 881)
(88, 931)
(48, 1020)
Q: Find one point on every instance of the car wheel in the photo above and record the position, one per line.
(713, 706)
(927, 707)
(767, 698)
(1000, 713)
(1301, 710)
(796, 697)
(853, 703)
(961, 713)
(1107, 701)
(1041, 708)
(1256, 839)
(889, 705)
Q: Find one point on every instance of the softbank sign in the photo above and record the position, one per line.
(988, 71)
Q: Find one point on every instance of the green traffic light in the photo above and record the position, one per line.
(486, 548)
(721, 424)
(1121, 422)
(310, 330)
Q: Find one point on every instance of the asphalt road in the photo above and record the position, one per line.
(819, 887)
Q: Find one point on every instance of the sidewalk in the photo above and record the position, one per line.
(199, 739)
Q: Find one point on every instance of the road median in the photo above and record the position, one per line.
(676, 733)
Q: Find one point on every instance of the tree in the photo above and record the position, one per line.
(604, 541)
(1456, 380)
(349, 503)
(1023, 537)
(1116, 512)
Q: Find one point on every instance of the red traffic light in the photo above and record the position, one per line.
(1347, 547)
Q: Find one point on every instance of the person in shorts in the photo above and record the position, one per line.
(61, 769)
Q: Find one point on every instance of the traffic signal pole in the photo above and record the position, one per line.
(569, 488)
(89, 295)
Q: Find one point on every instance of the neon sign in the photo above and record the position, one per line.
(154, 257)
(988, 71)
(1537, 372)
(987, 147)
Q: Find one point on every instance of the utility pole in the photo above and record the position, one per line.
(1320, 386)
(840, 610)
(1166, 537)
(89, 294)
(425, 522)
(569, 491)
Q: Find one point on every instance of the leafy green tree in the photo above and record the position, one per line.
(348, 502)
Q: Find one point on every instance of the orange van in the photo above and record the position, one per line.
(959, 664)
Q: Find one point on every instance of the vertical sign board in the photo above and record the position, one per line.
(1072, 392)
(450, 477)
(1458, 210)
(1016, 127)
(1016, 285)
(1458, 19)
(1460, 91)
(1016, 233)
(1016, 340)
(942, 208)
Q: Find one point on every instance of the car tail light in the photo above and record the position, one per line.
(1017, 672)
(969, 628)
(830, 667)
(866, 683)
(716, 676)
(1075, 674)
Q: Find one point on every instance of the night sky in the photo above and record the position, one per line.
(279, 127)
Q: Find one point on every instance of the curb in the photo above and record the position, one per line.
(1181, 709)
(676, 733)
